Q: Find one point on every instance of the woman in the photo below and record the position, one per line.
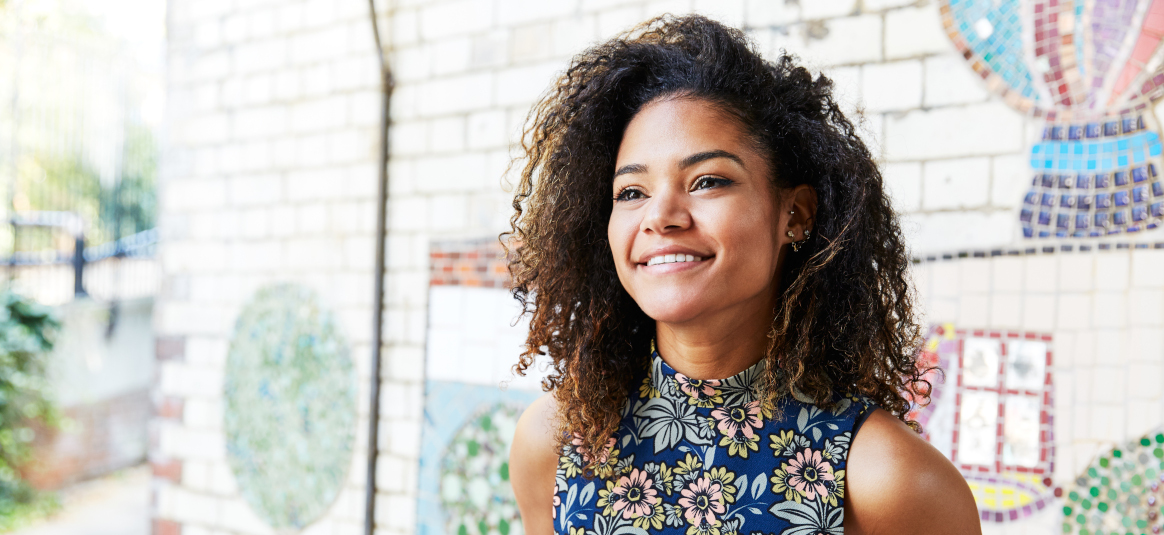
(712, 266)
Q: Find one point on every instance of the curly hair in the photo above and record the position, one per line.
(844, 322)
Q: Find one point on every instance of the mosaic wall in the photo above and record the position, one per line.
(1092, 72)
(290, 417)
(1120, 492)
(472, 399)
(991, 414)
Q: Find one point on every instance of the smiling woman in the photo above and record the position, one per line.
(713, 268)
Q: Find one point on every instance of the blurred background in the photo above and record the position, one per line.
(223, 314)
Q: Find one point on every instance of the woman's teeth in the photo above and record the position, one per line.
(671, 258)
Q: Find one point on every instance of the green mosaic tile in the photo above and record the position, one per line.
(1121, 492)
(475, 492)
(290, 413)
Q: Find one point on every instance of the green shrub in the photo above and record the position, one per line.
(26, 337)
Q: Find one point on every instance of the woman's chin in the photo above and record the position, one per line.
(672, 313)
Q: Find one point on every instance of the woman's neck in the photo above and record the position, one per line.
(714, 348)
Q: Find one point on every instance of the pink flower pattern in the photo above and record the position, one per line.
(808, 472)
(701, 501)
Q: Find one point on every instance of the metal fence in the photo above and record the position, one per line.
(77, 179)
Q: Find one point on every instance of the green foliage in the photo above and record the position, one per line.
(26, 337)
(111, 209)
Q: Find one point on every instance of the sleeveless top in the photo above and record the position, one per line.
(703, 457)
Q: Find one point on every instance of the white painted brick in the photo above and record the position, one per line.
(824, 9)
(257, 257)
(954, 231)
(410, 213)
(255, 122)
(846, 88)
(361, 72)
(528, 42)
(181, 380)
(319, 13)
(260, 56)
(950, 80)
(351, 145)
(194, 507)
(261, 24)
(231, 93)
(234, 28)
(406, 27)
(456, 94)
(447, 135)
(315, 81)
(461, 17)
(236, 515)
(319, 114)
(491, 49)
(194, 194)
(877, 5)
(612, 22)
(210, 9)
(313, 185)
(960, 183)
(769, 13)
(514, 12)
(314, 254)
(914, 32)
(892, 86)
(486, 130)
(450, 56)
(208, 35)
(1007, 273)
(450, 173)
(990, 128)
(848, 40)
(523, 85)
(318, 45)
(364, 107)
(903, 183)
(255, 190)
(311, 219)
(571, 35)
(1145, 381)
(729, 12)
(203, 130)
(1009, 180)
(258, 89)
(310, 150)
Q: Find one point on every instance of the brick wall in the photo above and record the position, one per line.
(270, 175)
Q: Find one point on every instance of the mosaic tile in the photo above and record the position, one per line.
(464, 486)
(1090, 72)
(290, 415)
(990, 413)
(1121, 491)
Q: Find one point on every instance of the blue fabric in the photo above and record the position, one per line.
(705, 458)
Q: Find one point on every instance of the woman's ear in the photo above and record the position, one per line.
(803, 210)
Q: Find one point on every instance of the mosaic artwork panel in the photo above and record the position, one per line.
(990, 413)
(464, 486)
(1091, 73)
(1120, 492)
(290, 415)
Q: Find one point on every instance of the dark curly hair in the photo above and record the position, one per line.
(844, 323)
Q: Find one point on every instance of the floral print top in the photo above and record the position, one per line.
(703, 457)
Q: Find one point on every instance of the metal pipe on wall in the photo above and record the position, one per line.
(386, 86)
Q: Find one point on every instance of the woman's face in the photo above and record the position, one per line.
(696, 228)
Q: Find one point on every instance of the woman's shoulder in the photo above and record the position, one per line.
(533, 459)
(899, 483)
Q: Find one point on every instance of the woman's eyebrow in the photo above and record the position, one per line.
(710, 155)
(687, 162)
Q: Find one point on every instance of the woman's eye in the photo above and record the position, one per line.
(628, 194)
(705, 182)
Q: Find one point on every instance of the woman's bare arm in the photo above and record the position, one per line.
(900, 484)
(533, 462)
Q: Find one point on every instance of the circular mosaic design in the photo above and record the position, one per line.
(290, 406)
(1120, 492)
(475, 490)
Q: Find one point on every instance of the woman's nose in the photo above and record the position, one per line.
(668, 211)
